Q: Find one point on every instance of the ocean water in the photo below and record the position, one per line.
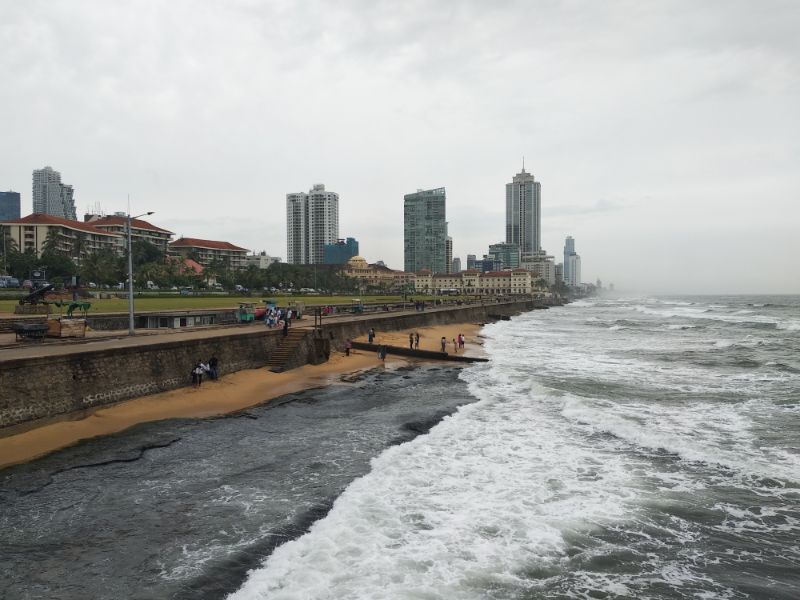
(615, 448)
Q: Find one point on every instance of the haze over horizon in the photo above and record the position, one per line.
(665, 135)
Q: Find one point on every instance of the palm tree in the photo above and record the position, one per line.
(78, 246)
(51, 242)
(8, 245)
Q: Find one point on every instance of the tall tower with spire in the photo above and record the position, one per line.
(523, 212)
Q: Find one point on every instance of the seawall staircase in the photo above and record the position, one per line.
(280, 358)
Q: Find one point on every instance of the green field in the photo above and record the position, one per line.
(163, 303)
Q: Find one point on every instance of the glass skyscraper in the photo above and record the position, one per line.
(425, 231)
(341, 251)
(9, 206)
(523, 212)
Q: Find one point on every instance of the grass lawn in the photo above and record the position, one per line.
(162, 303)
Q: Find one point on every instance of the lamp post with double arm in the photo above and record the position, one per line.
(130, 271)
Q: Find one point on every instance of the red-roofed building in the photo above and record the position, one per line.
(72, 238)
(207, 252)
(140, 230)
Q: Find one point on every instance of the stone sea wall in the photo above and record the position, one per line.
(37, 389)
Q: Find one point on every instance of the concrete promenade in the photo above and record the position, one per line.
(106, 340)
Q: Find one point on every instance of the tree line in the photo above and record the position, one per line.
(107, 268)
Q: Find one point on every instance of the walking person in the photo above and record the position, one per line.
(444, 344)
(348, 344)
(455, 346)
(410, 341)
(371, 335)
(285, 327)
(416, 340)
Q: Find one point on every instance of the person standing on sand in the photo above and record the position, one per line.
(213, 365)
(371, 335)
(444, 344)
(347, 345)
(198, 374)
(455, 346)
(416, 341)
(410, 341)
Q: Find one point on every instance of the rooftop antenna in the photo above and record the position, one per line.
(523, 164)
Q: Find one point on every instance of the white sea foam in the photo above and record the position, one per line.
(483, 497)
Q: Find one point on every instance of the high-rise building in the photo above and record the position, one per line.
(559, 272)
(448, 250)
(569, 250)
(9, 206)
(456, 265)
(540, 265)
(425, 231)
(52, 197)
(505, 254)
(341, 251)
(523, 212)
(312, 220)
(573, 265)
(471, 259)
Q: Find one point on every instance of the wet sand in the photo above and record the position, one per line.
(231, 393)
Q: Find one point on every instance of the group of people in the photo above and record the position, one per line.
(459, 342)
(276, 317)
(202, 368)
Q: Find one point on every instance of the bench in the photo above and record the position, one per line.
(29, 331)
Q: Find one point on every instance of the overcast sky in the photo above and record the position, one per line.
(666, 135)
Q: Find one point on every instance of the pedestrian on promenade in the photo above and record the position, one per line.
(347, 345)
(285, 327)
(371, 335)
(416, 340)
(444, 344)
(410, 341)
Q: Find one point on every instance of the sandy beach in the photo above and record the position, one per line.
(231, 393)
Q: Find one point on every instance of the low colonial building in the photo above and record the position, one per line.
(495, 283)
(208, 252)
(140, 230)
(378, 276)
(71, 238)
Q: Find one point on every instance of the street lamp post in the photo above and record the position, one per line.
(130, 271)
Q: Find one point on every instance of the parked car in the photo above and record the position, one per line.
(27, 284)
